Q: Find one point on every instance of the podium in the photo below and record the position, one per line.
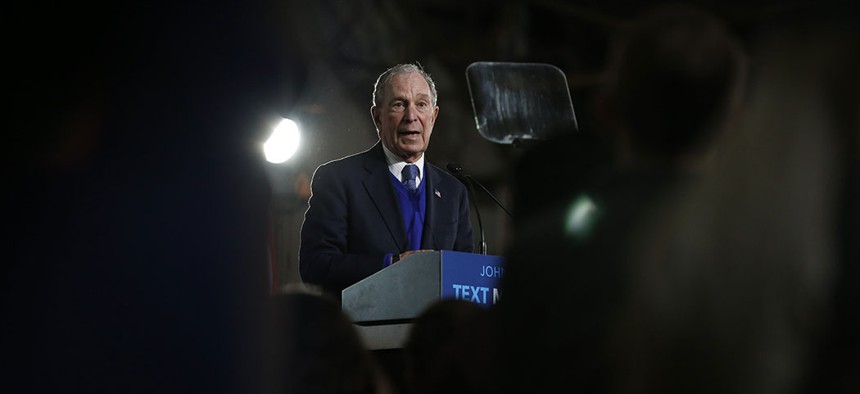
(383, 305)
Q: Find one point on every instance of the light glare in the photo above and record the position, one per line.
(581, 217)
(283, 143)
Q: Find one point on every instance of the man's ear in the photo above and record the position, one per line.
(374, 113)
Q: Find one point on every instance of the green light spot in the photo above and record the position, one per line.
(581, 216)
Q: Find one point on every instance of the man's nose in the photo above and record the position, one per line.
(411, 113)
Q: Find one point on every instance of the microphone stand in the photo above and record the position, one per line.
(477, 212)
(467, 179)
(491, 195)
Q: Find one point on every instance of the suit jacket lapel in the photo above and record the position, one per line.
(378, 187)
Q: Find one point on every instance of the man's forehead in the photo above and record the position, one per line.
(412, 82)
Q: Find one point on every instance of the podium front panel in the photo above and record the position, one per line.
(400, 292)
(471, 277)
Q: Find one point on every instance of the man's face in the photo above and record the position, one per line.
(405, 116)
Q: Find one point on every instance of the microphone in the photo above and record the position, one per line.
(457, 171)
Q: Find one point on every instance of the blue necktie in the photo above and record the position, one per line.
(410, 173)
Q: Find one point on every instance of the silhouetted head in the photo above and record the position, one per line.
(315, 348)
(672, 77)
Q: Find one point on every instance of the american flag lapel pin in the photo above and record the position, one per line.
(438, 194)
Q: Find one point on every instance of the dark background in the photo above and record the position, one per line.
(137, 203)
(242, 65)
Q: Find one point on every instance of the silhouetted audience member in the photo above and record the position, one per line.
(137, 257)
(749, 281)
(670, 90)
(672, 81)
(316, 349)
(442, 352)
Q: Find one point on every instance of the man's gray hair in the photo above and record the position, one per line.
(385, 79)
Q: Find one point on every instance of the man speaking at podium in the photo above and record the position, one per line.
(371, 209)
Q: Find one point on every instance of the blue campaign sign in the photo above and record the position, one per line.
(471, 277)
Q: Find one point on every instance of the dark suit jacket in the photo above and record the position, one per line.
(353, 219)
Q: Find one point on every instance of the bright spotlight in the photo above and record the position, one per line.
(283, 142)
